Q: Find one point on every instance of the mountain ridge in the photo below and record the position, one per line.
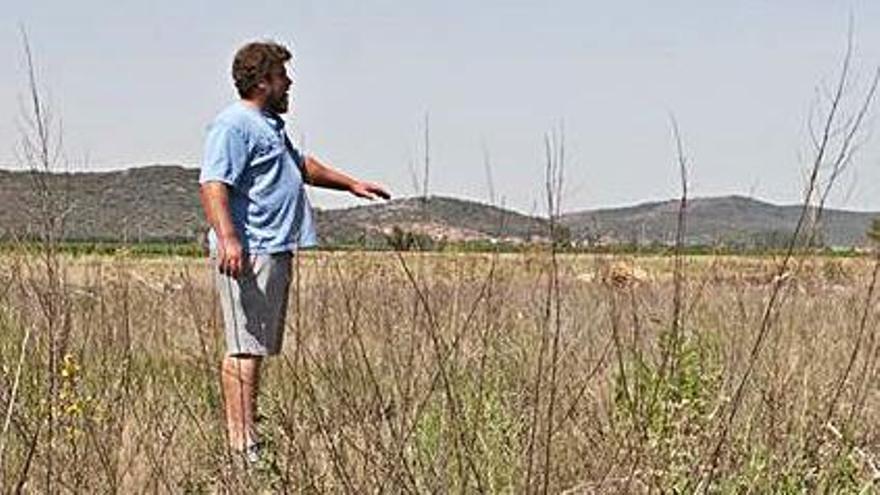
(160, 203)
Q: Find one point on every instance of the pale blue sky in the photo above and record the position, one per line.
(136, 83)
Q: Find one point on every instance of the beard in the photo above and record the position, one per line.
(278, 103)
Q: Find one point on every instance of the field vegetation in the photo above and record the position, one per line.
(447, 372)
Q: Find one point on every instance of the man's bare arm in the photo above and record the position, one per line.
(215, 203)
(320, 175)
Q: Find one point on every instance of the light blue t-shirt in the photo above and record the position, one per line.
(248, 150)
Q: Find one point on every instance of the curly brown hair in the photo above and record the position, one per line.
(254, 61)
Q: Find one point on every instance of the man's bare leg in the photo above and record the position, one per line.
(240, 377)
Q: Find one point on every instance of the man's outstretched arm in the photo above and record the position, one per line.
(215, 202)
(320, 175)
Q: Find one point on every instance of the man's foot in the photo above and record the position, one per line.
(253, 453)
(257, 466)
(249, 458)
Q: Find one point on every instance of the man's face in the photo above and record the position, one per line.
(277, 86)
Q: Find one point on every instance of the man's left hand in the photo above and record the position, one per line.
(369, 190)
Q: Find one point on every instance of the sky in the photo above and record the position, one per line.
(136, 83)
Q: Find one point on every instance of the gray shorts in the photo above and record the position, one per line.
(254, 305)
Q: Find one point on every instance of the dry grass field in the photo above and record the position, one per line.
(445, 373)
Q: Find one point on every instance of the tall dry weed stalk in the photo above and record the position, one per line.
(41, 150)
(834, 145)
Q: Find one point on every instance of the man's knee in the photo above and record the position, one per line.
(244, 367)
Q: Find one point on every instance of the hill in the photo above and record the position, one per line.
(437, 217)
(160, 203)
(155, 203)
(730, 220)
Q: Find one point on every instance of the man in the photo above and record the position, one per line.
(253, 197)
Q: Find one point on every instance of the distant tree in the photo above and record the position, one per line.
(590, 238)
(404, 240)
(874, 231)
(562, 237)
(398, 239)
(770, 239)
